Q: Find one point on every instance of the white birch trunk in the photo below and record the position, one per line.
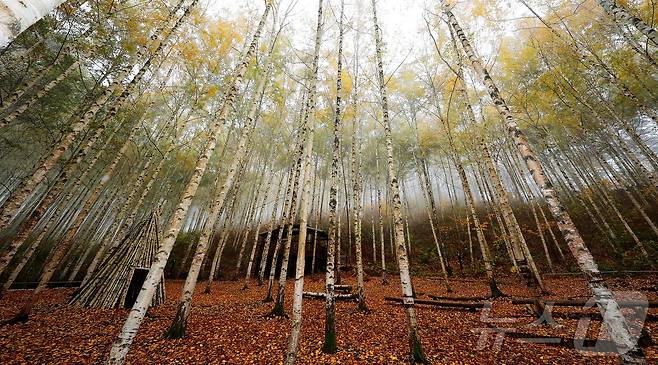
(179, 324)
(309, 116)
(318, 215)
(17, 15)
(357, 183)
(122, 344)
(620, 14)
(416, 354)
(329, 346)
(617, 326)
(259, 220)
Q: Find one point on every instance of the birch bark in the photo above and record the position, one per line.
(416, 353)
(122, 344)
(295, 331)
(16, 16)
(614, 320)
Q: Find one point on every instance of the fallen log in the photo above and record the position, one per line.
(440, 297)
(625, 272)
(593, 345)
(441, 303)
(582, 303)
(346, 289)
(460, 280)
(337, 296)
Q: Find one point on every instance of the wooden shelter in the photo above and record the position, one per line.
(120, 276)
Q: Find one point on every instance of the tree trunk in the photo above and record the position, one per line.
(295, 331)
(621, 15)
(381, 222)
(338, 233)
(614, 320)
(122, 344)
(268, 238)
(416, 353)
(16, 16)
(372, 228)
(357, 182)
(329, 346)
(318, 218)
(178, 326)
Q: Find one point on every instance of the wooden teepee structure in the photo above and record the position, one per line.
(120, 276)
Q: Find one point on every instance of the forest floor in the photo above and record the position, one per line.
(228, 326)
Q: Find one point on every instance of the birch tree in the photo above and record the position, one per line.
(416, 353)
(122, 344)
(333, 231)
(614, 320)
(622, 15)
(357, 177)
(309, 116)
(16, 16)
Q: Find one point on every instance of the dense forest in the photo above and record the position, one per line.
(328, 181)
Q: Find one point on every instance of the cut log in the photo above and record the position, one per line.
(440, 297)
(461, 280)
(625, 272)
(441, 303)
(582, 303)
(594, 345)
(313, 295)
(343, 289)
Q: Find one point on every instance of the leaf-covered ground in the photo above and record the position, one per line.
(228, 326)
